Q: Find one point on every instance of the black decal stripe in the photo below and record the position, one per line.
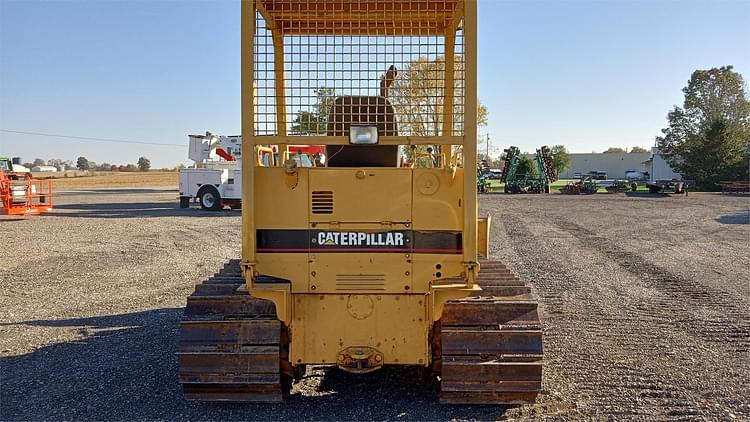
(305, 241)
(282, 240)
(431, 241)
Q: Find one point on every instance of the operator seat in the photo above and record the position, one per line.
(365, 111)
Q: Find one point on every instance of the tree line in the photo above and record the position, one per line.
(618, 150)
(707, 140)
(83, 163)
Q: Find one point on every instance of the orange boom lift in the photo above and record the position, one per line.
(21, 194)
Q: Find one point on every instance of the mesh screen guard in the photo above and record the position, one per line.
(378, 62)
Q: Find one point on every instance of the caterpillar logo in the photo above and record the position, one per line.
(393, 239)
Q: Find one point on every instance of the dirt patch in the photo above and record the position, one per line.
(638, 324)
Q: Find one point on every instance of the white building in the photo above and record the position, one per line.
(44, 169)
(615, 164)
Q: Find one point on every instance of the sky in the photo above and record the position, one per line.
(582, 73)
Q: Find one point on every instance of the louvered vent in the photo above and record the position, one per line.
(360, 281)
(322, 202)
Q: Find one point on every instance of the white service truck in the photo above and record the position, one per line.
(215, 180)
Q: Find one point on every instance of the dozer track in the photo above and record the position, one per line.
(232, 346)
(487, 349)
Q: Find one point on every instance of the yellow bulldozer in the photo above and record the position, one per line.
(361, 262)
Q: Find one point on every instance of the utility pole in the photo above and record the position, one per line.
(488, 146)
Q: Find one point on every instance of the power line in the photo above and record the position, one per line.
(85, 138)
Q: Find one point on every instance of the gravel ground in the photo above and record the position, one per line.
(643, 319)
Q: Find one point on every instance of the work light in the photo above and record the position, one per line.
(363, 135)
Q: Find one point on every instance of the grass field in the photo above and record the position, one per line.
(119, 180)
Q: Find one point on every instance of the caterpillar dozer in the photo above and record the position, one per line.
(361, 263)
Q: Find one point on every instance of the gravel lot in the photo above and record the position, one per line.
(644, 319)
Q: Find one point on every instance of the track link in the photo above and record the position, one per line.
(231, 344)
(489, 346)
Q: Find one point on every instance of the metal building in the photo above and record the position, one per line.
(614, 164)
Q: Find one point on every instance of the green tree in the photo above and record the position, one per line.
(613, 150)
(60, 163)
(144, 164)
(637, 149)
(482, 114)
(315, 122)
(82, 163)
(526, 166)
(417, 95)
(560, 158)
(707, 137)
